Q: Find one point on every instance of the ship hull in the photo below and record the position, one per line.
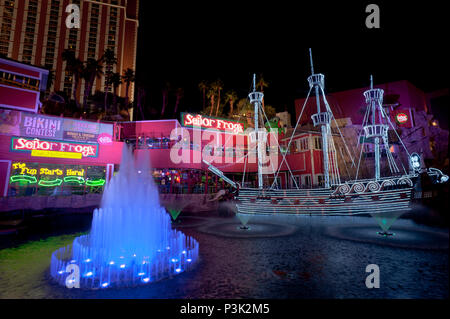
(322, 201)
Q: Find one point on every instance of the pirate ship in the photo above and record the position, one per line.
(379, 194)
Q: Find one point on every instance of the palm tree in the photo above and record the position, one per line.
(270, 111)
(219, 87)
(115, 81)
(262, 84)
(76, 68)
(140, 100)
(94, 69)
(50, 79)
(203, 86)
(211, 95)
(245, 109)
(165, 93)
(109, 58)
(231, 97)
(179, 95)
(128, 77)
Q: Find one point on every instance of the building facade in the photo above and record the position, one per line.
(44, 155)
(35, 32)
(50, 156)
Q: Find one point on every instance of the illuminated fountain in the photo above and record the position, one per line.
(131, 240)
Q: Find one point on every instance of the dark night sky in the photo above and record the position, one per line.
(186, 43)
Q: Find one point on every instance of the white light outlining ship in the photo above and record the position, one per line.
(393, 193)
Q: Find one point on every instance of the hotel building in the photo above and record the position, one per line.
(35, 32)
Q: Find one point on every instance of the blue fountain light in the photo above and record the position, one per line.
(130, 227)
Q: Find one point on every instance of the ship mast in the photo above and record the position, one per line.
(321, 119)
(376, 130)
(256, 99)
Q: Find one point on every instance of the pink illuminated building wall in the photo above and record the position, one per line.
(20, 85)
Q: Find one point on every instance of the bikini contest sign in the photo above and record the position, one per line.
(51, 127)
(35, 125)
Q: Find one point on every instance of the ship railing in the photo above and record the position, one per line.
(374, 95)
(316, 79)
(372, 185)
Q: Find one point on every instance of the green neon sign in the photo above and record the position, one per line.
(74, 179)
(97, 182)
(55, 182)
(23, 178)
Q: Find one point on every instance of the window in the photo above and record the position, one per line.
(19, 81)
(317, 142)
(6, 25)
(92, 43)
(39, 179)
(306, 180)
(23, 179)
(320, 180)
(297, 180)
(302, 144)
(51, 34)
(95, 180)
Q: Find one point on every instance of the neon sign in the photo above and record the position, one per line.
(24, 174)
(74, 179)
(24, 169)
(57, 181)
(52, 183)
(43, 126)
(97, 182)
(205, 122)
(74, 172)
(23, 178)
(401, 118)
(51, 172)
(105, 139)
(49, 148)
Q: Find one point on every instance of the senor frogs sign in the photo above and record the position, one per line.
(49, 148)
(206, 122)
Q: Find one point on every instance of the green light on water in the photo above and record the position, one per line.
(174, 213)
